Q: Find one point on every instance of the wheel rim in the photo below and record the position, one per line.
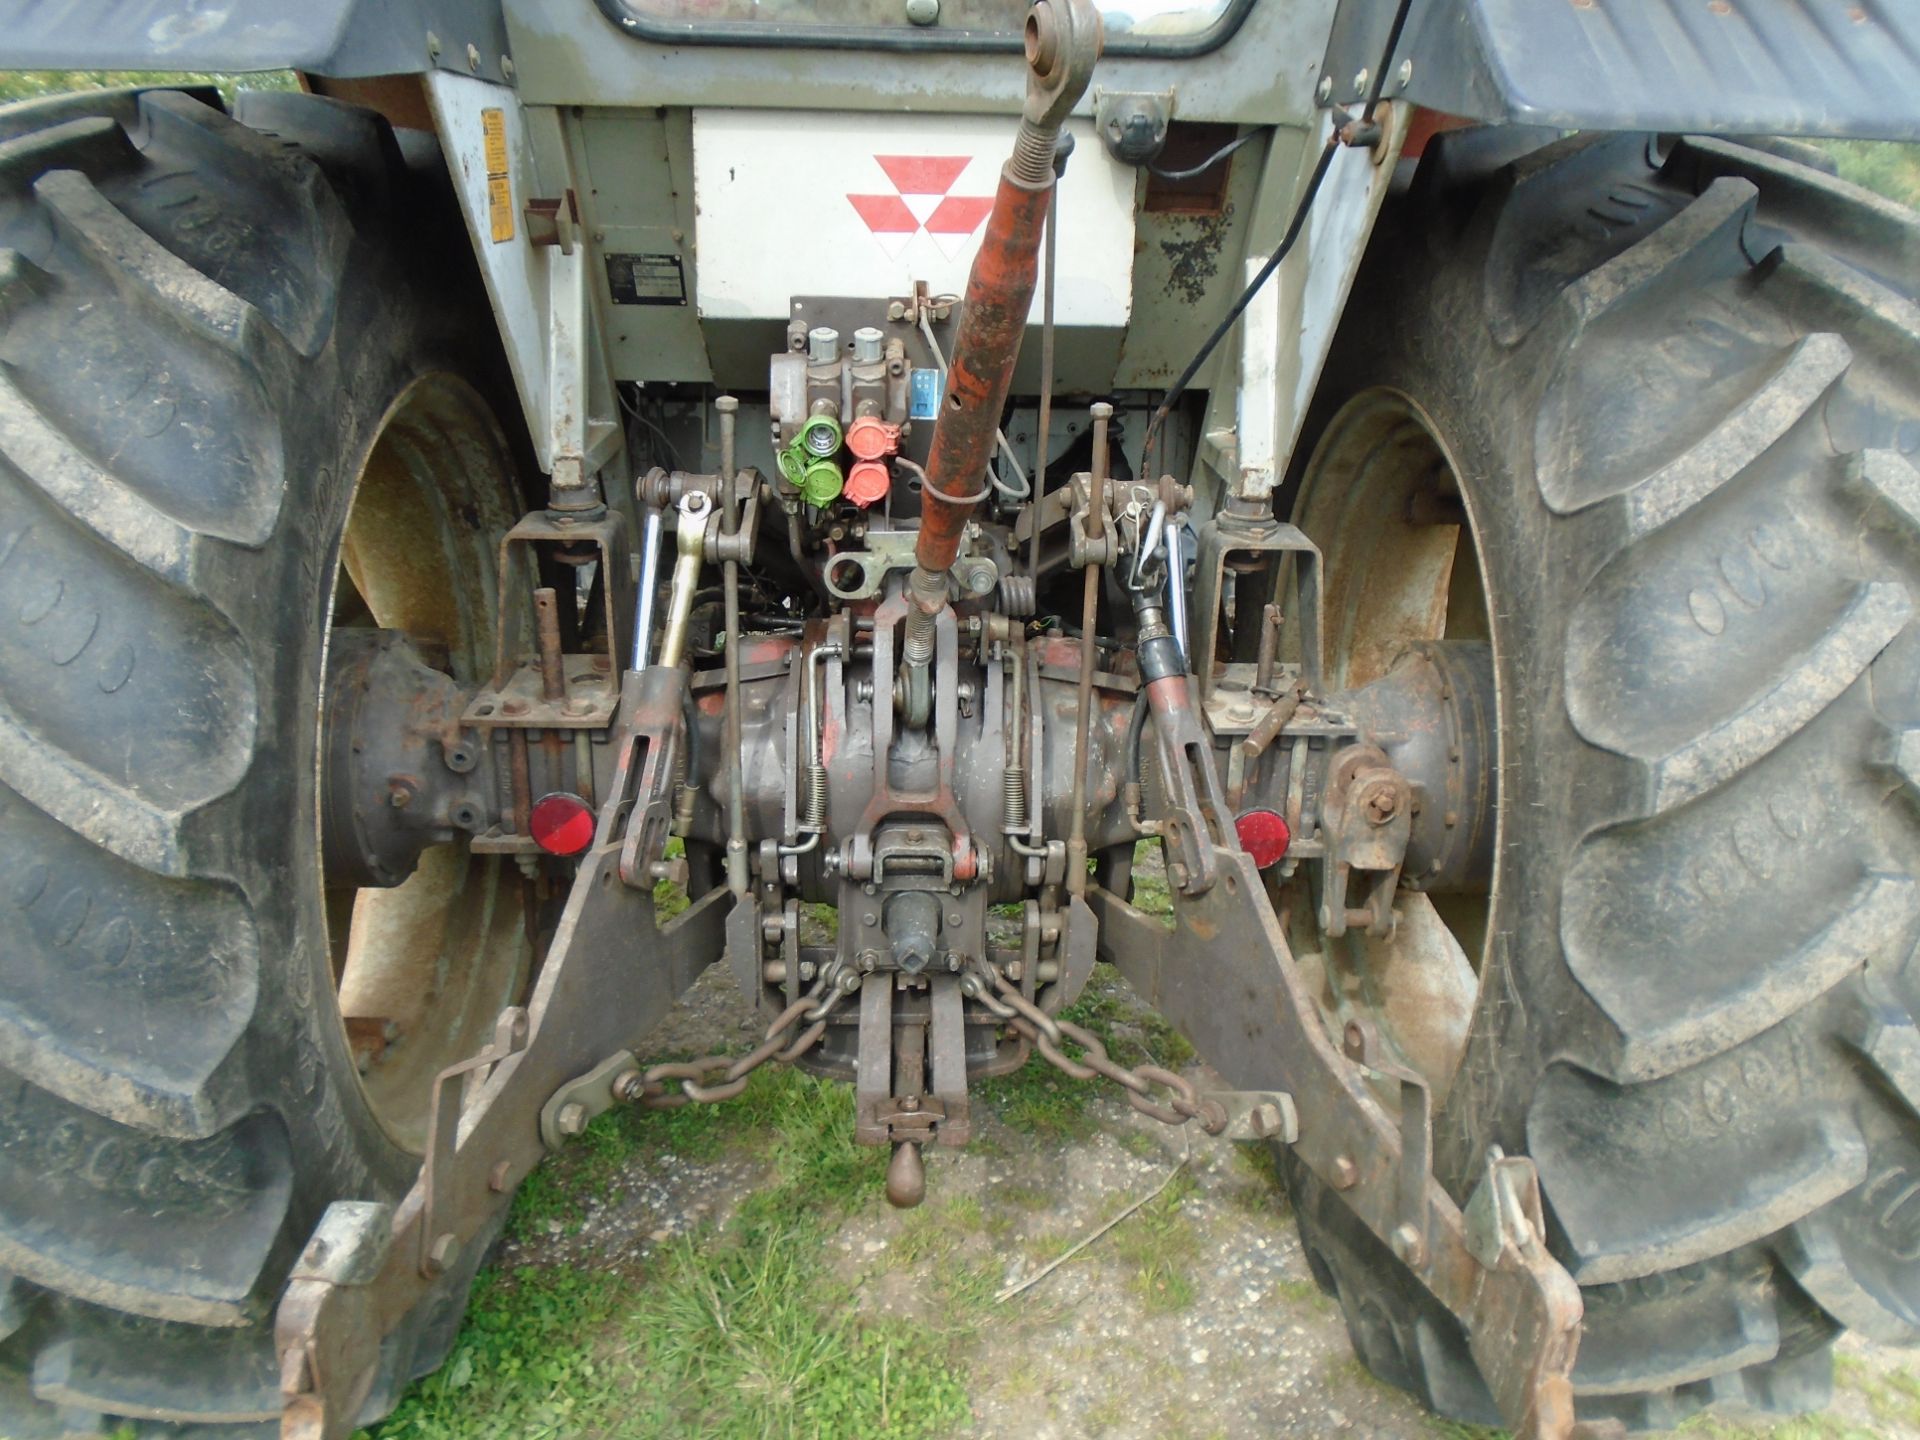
(1382, 499)
(422, 969)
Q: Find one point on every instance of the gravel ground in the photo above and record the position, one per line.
(1194, 1317)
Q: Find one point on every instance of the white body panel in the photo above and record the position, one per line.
(803, 203)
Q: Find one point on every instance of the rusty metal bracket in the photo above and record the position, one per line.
(1257, 1115)
(575, 1105)
(328, 1301)
(591, 1000)
(597, 538)
(437, 1245)
(1522, 1312)
(1251, 543)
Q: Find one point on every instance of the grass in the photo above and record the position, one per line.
(1888, 169)
(737, 1330)
(1039, 1100)
(31, 84)
(1159, 1246)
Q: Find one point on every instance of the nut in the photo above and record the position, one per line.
(1380, 801)
(1265, 1120)
(572, 1118)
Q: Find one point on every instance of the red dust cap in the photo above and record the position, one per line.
(867, 482)
(871, 438)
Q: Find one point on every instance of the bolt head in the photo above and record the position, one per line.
(1360, 83)
(1265, 1120)
(442, 1253)
(473, 58)
(1323, 92)
(1345, 1174)
(572, 1118)
(1408, 1245)
(1406, 71)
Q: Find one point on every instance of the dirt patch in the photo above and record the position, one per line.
(1194, 1317)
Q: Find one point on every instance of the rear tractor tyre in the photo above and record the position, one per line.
(244, 379)
(1640, 414)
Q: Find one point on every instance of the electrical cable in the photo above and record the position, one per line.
(1294, 226)
(1196, 171)
(626, 405)
(1025, 490)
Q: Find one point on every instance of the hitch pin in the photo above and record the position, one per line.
(649, 580)
(1177, 586)
(1149, 542)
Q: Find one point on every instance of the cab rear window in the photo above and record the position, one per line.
(1134, 27)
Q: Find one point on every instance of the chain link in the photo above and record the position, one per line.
(1046, 1032)
(713, 1078)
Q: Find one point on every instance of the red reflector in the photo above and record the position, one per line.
(1264, 835)
(562, 824)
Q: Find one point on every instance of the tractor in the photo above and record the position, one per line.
(521, 517)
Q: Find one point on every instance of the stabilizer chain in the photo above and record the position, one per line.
(989, 987)
(648, 1087)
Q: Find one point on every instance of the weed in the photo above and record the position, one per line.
(526, 1363)
(821, 923)
(1301, 1292)
(739, 1331)
(1891, 169)
(670, 896)
(1893, 1396)
(1038, 1100)
(1160, 1245)
(1021, 1196)
(1805, 1427)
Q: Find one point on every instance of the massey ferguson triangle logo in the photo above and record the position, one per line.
(922, 202)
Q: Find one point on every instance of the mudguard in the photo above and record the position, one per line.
(1762, 67)
(326, 37)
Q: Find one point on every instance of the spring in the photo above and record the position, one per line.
(918, 649)
(813, 799)
(1014, 794)
(1019, 596)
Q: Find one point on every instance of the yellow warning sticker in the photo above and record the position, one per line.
(493, 124)
(493, 127)
(500, 207)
